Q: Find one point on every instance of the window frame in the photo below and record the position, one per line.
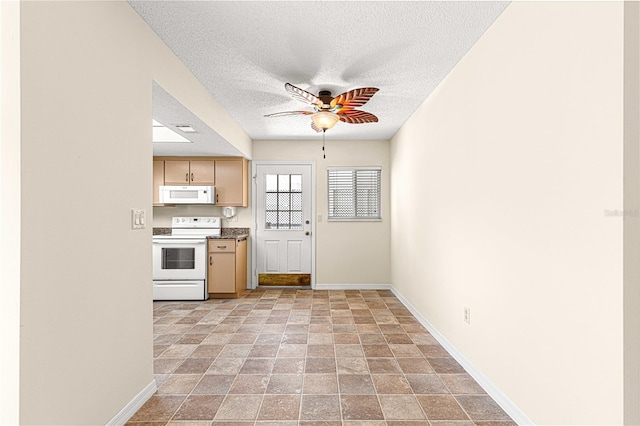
(378, 218)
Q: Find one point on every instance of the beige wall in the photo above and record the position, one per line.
(346, 252)
(631, 220)
(500, 182)
(9, 212)
(86, 310)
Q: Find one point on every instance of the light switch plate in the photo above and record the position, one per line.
(138, 219)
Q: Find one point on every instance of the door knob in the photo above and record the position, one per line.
(306, 222)
(307, 233)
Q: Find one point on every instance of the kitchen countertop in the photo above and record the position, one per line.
(226, 233)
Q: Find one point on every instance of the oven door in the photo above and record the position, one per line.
(179, 259)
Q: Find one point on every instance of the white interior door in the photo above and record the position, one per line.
(284, 219)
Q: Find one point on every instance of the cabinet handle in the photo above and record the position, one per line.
(186, 177)
(222, 247)
(191, 177)
(210, 260)
(217, 197)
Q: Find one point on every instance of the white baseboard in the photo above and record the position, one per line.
(352, 287)
(134, 405)
(501, 399)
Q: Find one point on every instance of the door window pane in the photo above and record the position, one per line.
(283, 201)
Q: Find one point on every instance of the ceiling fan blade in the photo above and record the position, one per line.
(354, 98)
(288, 113)
(316, 128)
(303, 95)
(355, 116)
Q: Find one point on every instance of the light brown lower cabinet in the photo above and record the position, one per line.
(227, 270)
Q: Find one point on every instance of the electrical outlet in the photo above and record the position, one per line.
(467, 315)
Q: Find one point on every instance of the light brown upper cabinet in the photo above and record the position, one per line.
(158, 179)
(189, 172)
(230, 176)
(231, 182)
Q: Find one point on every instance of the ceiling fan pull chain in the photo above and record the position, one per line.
(324, 155)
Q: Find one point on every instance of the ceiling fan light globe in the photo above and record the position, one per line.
(325, 119)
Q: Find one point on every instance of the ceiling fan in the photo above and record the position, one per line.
(329, 110)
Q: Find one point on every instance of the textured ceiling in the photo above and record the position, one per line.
(243, 53)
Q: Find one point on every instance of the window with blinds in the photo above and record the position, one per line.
(354, 193)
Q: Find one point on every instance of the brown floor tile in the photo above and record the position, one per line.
(320, 407)
(360, 407)
(239, 407)
(192, 339)
(320, 365)
(246, 338)
(461, 384)
(346, 338)
(292, 350)
(158, 407)
(249, 384)
(320, 351)
(194, 366)
(441, 407)
(352, 365)
(214, 384)
(433, 351)
(373, 339)
(207, 351)
(402, 339)
(263, 351)
(166, 365)
(405, 351)
(286, 357)
(268, 339)
(288, 366)
(426, 384)
(401, 407)
(415, 365)
(320, 339)
(235, 351)
(179, 384)
(199, 407)
(349, 351)
(257, 366)
(383, 365)
(358, 384)
(295, 338)
(280, 407)
(446, 366)
(285, 384)
(481, 407)
(391, 384)
(226, 366)
(320, 384)
(377, 351)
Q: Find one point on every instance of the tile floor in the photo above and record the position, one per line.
(302, 357)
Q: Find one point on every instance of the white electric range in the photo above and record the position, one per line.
(180, 259)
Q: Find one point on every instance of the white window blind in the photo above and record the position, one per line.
(354, 193)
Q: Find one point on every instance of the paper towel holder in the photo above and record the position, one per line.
(228, 212)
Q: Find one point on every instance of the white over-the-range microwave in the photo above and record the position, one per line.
(170, 194)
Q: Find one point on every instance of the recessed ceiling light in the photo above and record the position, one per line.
(185, 128)
(162, 134)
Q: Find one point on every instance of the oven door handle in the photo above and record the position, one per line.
(182, 242)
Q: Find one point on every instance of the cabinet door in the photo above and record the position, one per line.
(222, 272)
(202, 172)
(158, 179)
(241, 266)
(230, 183)
(176, 172)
